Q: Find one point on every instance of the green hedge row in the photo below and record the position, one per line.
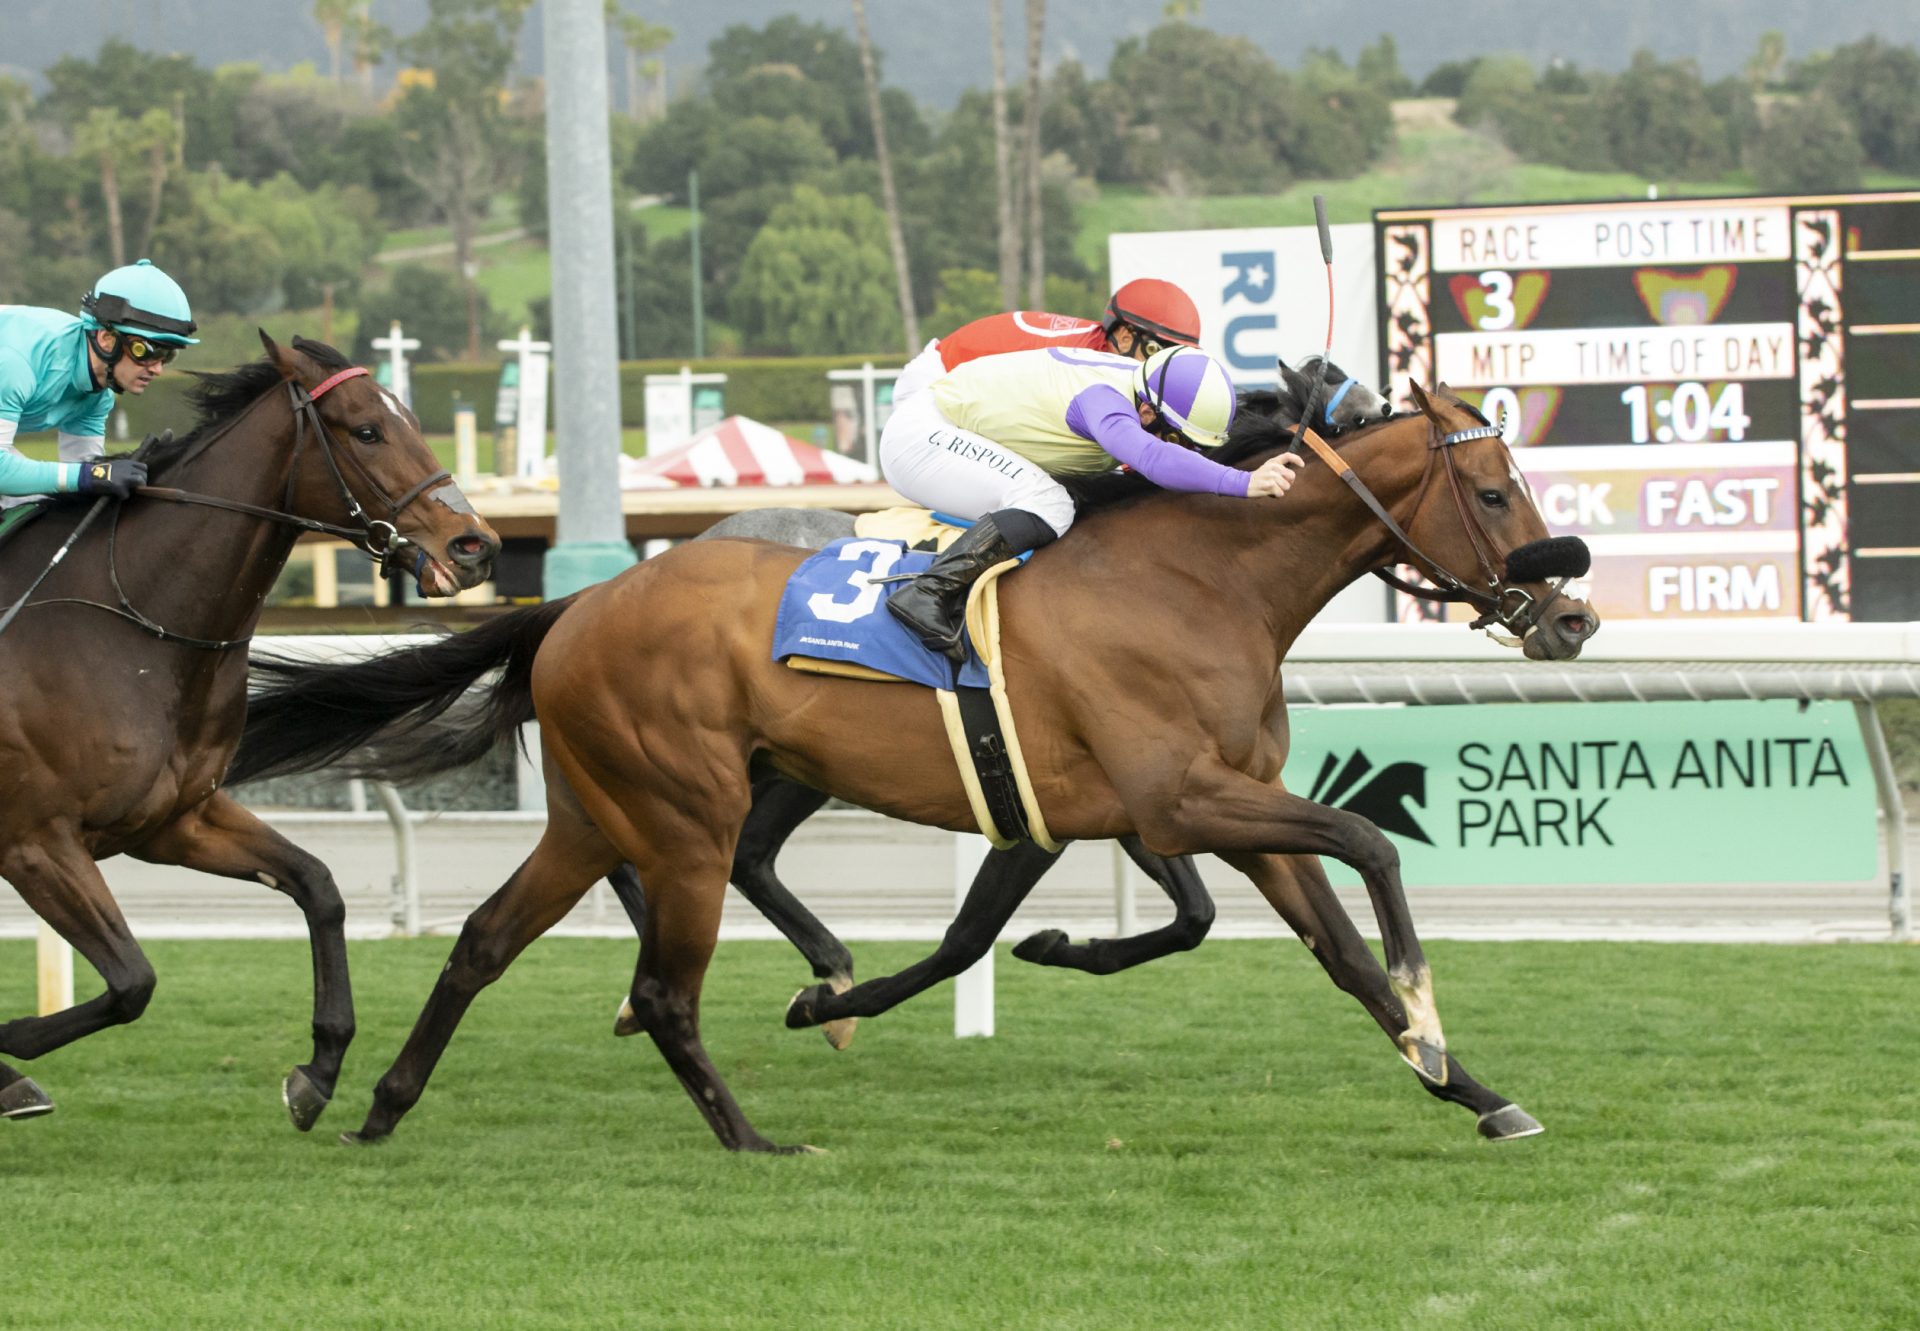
(770, 390)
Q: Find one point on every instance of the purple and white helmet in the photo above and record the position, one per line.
(1191, 390)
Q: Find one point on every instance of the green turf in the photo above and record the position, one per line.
(1218, 1140)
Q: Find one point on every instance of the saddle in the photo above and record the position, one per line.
(15, 519)
(820, 633)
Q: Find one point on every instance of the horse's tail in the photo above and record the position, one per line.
(383, 716)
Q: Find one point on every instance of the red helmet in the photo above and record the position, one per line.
(1157, 308)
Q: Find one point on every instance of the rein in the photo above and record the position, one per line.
(1500, 602)
(378, 538)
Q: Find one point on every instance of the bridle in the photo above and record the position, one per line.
(378, 538)
(1499, 601)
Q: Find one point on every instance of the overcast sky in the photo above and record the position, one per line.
(936, 48)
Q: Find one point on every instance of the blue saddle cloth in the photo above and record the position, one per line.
(831, 610)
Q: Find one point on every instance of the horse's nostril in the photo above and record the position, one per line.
(470, 550)
(1575, 626)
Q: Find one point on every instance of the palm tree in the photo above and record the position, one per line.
(334, 16)
(1002, 163)
(106, 136)
(903, 278)
(1036, 246)
(640, 38)
(158, 134)
(370, 42)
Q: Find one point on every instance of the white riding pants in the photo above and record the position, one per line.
(919, 372)
(935, 463)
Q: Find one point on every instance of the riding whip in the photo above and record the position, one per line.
(58, 555)
(1326, 357)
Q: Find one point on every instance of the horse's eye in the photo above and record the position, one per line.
(367, 434)
(1494, 498)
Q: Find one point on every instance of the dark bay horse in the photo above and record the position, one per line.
(125, 677)
(1145, 659)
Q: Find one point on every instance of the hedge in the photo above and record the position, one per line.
(790, 389)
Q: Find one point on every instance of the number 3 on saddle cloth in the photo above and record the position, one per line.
(833, 621)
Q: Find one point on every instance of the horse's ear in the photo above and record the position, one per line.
(1295, 381)
(1425, 403)
(282, 358)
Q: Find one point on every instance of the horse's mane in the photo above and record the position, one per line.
(218, 396)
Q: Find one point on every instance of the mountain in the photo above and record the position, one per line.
(937, 48)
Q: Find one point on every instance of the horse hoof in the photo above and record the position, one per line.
(800, 1011)
(626, 1021)
(839, 1032)
(1507, 1123)
(303, 1099)
(362, 1138)
(1037, 947)
(23, 1099)
(1425, 1058)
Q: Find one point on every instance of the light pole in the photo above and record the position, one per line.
(590, 536)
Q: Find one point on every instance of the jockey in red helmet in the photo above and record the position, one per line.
(1144, 316)
(1151, 314)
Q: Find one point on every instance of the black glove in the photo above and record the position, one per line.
(116, 477)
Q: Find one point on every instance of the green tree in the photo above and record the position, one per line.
(1448, 78)
(1344, 122)
(458, 148)
(432, 304)
(1877, 87)
(1805, 146)
(817, 278)
(792, 67)
(1660, 123)
(1378, 68)
(1208, 112)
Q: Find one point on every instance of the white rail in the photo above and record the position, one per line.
(1448, 665)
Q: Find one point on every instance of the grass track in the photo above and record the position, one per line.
(1220, 1140)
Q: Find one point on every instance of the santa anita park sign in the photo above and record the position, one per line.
(1725, 792)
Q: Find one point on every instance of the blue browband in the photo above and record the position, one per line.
(1339, 393)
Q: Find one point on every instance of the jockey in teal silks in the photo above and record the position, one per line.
(61, 372)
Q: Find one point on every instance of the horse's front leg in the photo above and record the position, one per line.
(1223, 810)
(221, 837)
(1296, 886)
(1005, 878)
(1192, 917)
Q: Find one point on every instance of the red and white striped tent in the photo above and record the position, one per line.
(740, 451)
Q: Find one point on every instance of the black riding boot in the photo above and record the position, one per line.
(934, 605)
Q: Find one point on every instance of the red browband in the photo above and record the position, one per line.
(352, 372)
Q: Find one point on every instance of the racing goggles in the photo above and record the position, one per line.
(142, 352)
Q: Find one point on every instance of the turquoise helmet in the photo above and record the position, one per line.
(141, 300)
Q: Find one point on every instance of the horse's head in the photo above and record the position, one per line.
(370, 468)
(1478, 521)
(1340, 402)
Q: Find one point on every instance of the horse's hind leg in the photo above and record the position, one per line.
(63, 886)
(779, 807)
(683, 922)
(221, 837)
(1002, 884)
(538, 895)
(1192, 918)
(1297, 888)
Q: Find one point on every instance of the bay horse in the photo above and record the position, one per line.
(1144, 655)
(1317, 388)
(125, 677)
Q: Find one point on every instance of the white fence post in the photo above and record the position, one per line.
(55, 964)
(1899, 893)
(406, 882)
(1126, 914)
(973, 987)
